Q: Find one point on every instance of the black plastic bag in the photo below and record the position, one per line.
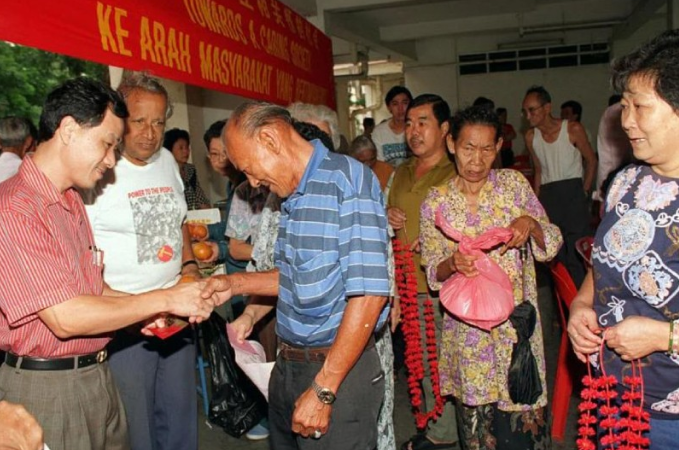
(236, 404)
(524, 377)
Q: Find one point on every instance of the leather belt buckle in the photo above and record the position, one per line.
(101, 356)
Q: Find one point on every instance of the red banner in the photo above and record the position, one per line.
(258, 49)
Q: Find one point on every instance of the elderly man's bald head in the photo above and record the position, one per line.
(261, 142)
(251, 116)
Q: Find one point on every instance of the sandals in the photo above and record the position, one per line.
(420, 442)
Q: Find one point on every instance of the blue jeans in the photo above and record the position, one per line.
(664, 434)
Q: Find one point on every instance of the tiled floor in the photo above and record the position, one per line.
(212, 438)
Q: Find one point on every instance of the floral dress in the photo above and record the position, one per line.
(473, 362)
(636, 273)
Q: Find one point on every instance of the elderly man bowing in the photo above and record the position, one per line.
(331, 281)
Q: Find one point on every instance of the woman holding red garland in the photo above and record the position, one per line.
(629, 301)
(474, 363)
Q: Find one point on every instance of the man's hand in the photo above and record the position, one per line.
(18, 428)
(583, 330)
(310, 414)
(397, 218)
(219, 287)
(189, 300)
(243, 326)
(636, 337)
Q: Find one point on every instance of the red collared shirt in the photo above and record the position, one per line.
(46, 258)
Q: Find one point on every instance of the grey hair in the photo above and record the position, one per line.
(14, 131)
(361, 143)
(140, 80)
(250, 116)
(304, 112)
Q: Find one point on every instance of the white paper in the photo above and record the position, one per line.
(251, 358)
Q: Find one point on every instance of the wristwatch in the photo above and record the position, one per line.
(325, 395)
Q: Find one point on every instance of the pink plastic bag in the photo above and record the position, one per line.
(486, 300)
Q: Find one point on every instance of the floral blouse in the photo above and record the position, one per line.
(473, 363)
(636, 273)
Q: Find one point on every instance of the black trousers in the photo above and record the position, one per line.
(567, 207)
(353, 423)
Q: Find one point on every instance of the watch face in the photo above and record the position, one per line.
(326, 396)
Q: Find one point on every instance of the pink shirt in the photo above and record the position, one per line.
(45, 259)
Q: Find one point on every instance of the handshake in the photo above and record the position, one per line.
(192, 298)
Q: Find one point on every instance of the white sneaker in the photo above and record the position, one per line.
(258, 432)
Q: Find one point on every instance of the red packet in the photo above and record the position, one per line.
(173, 326)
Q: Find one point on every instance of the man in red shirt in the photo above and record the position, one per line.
(57, 314)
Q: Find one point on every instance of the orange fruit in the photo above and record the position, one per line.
(202, 251)
(187, 279)
(197, 231)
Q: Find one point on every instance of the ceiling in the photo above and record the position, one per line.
(392, 29)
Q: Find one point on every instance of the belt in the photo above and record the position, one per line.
(302, 354)
(75, 362)
(310, 354)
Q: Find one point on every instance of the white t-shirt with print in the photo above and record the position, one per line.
(136, 213)
(391, 147)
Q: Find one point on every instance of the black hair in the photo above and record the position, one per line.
(438, 105)
(575, 106)
(501, 110)
(309, 131)
(613, 99)
(84, 99)
(173, 135)
(397, 90)
(485, 102)
(368, 121)
(659, 61)
(214, 131)
(541, 92)
(475, 115)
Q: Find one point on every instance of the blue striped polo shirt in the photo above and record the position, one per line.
(332, 245)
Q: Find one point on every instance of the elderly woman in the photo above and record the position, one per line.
(629, 299)
(474, 363)
(179, 144)
(363, 149)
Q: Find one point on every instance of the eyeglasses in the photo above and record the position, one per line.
(530, 111)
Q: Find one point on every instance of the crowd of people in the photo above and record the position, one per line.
(97, 257)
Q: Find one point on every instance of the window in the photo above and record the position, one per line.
(534, 58)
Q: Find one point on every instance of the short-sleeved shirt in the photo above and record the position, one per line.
(246, 209)
(332, 245)
(45, 259)
(408, 193)
(636, 273)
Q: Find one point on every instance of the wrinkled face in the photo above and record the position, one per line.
(91, 150)
(257, 158)
(650, 123)
(216, 153)
(475, 150)
(145, 127)
(367, 156)
(181, 151)
(534, 111)
(424, 135)
(398, 106)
